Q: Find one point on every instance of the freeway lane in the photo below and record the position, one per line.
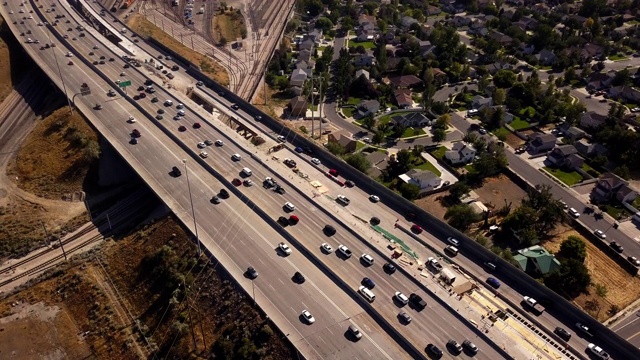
(156, 162)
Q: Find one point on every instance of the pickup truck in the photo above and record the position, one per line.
(417, 301)
(533, 304)
(343, 199)
(434, 264)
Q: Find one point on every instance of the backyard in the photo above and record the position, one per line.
(518, 124)
(364, 44)
(569, 178)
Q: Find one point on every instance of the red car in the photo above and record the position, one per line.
(293, 219)
(142, 95)
(416, 229)
(333, 172)
(236, 182)
(182, 128)
(196, 125)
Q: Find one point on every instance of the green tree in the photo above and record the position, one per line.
(572, 278)
(439, 135)
(443, 121)
(484, 82)
(358, 161)
(504, 78)
(369, 122)
(458, 190)
(378, 137)
(499, 96)
(335, 148)
(92, 151)
(408, 191)
(573, 247)
(461, 216)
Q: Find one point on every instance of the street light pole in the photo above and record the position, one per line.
(193, 211)
(64, 87)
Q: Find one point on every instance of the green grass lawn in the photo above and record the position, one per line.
(586, 168)
(617, 211)
(617, 57)
(439, 152)
(518, 123)
(348, 112)
(527, 112)
(429, 166)
(353, 101)
(360, 145)
(385, 119)
(500, 132)
(364, 44)
(569, 178)
(412, 132)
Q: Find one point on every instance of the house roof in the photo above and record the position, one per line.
(362, 72)
(574, 131)
(540, 139)
(412, 117)
(565, 150)
(611, 180)
(371, 105)
(421, 175)
(376, 157)
(297, 102)
(403, 97)
(405, 80)
(536, 254)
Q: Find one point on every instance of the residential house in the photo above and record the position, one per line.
(504, 40)
(363, 59)
(460, 153)
(626, 93)
(586, 148)
(407, 21)
(426, 48)
(426, 28)
(592, 120)
(315, 35)
(297, 106)
(546, 57)
(298, 77)
(306, 45)
(439, 75)
(527, 23)
(536, 261)
(403, 98)
(362, 72)
(574, 133)
(424, 179)
(542, 142)
(414, 119)
(304, 54)
(365, 35)
(296, 90)
(527, 49)
(405, 81)
(591, 51)
(368, 107)
(478, 28)
(565, 156)
(497, 66)
(459, 21)
(612, 187)
(433, 10)
(509, 13)
(479, 101)
(344, 139)
(307, 66)
(389, 36)
(599, 80)
(366, 19)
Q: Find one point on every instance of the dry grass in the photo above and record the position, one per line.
(496, 190)
(229, 25)
(146, 29)
(95, 298)
(51, 162)
(275, 104)
(623, 288)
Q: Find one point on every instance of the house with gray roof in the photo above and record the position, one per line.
(362, 72)
(424, 179)
(413, 119)
(565, 156)
(368, 107)
(460, 153)
(298, 77)
(592, 120)
(541, 142)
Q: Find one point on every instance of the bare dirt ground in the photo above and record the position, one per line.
(274, 105)
(208, 66)
(498, 190)
(99, 305)
(433, 204)
(514, 141)
(228, 25)
(622, 288)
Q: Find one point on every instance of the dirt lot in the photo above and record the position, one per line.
(99, 306)
(145, 28)
(495, 191)
(229, 25)
(275, 105)
(622, 288)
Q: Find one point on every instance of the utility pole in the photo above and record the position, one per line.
(312, 105)
(46, 233)
(320, 110)
(193, 335)
(193, 212)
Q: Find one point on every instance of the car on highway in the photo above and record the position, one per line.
(224, 193)
(159, 117)
(251, 272)
(298, 277)
(308, 317)
(246, 171)
(69, 54)
(181, 113)
(454, 347)
(434, 351)
(326, 248)
(329, 230)
(111, 93)
(345, 251)
(416, 229)
(268, 183)
(635, 110)
(315, 161)
(279, 189)
(247, 182)
(574, 213)
(235, 106)
(343, 200)
(258, 117)
(182, 128)
(154, 100)
(284, 248)
(289, 206)
(404, 318)
(470, 347)
(98, 107)
(389, 268)
(168, 103)
(208, 142)
(236, 182)
(493, 282)
(617, 247)
(599, 233)
(562, 333)
(290, 163)
(353, 330)
(368, 283)
(136, 133)
(70, 63)
(218, 143)
(215, 200)
(402, 298)
(367, 259)
(176, 171)
(374, 198)
(236, 157)
(298, 149)
(134, 140)
(453, 241)
(281, 138)
(180, 106)
(634, 261)
(199, 83)
(197, 125)
(203, 154)
(202, 145)
(598, 351)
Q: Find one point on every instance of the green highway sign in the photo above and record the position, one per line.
(125, 83)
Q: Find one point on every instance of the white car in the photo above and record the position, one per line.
(453, 241)
(202, 145)
(203, 154)
(284, 248)
(635, 110)
(181, 112)
(345, 251)
(574, 213)
(327, 248)
(69, 54)
(95, 47)
(367, 259)
(599, 233)
(246, 171)
(374, 198)
(308, 317)
(236, 157)
(598, 351)
(179, 106)
(402, 298)
(289, 206)
(168, 103)
(220, 143)
(281, 138)
(131, 119)
(315, 161)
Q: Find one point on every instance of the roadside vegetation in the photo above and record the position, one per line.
(228, 25)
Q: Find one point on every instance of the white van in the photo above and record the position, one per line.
(366, 293)
(247, 171)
